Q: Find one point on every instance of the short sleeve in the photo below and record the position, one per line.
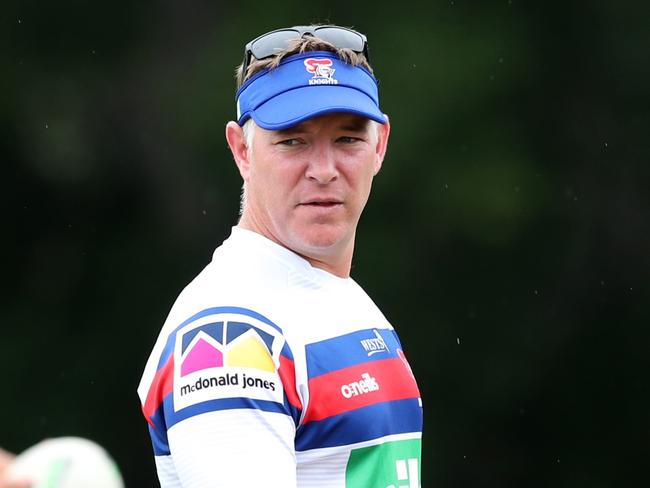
(223, 399)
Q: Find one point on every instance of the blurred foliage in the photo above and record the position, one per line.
(507, 237)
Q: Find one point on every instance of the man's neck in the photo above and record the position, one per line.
(334, 261)
(340, 268)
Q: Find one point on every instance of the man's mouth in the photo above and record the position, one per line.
(323, 204)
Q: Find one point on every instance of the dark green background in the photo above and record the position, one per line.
(507, 238)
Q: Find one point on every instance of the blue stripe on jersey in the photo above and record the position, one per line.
(286, 351)
(172, 418)
(159, 442)
(397, 339)
(360, 347)
(158, 435)
(291, 410)
(159, 432)
(169, 345)
(363, 424)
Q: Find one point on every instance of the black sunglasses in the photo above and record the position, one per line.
(276, 41)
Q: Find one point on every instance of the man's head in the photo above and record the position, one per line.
(308, 140)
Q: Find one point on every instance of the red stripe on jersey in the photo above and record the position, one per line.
(287, 372)
(161, 386)
(359, 386)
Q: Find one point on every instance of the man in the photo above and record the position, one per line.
(274, 368)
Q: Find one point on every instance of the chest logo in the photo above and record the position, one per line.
(375, 345)
(365, 385)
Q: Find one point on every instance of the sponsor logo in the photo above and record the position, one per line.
(226, 359)
(374, 345)
(322, 70)
(227, 380)
(393, 464)
(407, 470)
(365, 385)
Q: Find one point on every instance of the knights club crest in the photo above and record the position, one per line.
(322, 71)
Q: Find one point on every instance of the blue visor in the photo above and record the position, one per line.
(307, 85)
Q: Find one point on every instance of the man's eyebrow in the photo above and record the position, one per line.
(290, 131)
(356, 125)
(353, 125)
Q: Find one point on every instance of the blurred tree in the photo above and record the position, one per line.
(507, 237)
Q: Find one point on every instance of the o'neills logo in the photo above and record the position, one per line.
(322, 70)
(365, 385)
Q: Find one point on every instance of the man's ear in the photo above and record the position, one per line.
(383, 131)
(240, 151)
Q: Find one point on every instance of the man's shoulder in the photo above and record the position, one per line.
(227, 291)
(231, 274)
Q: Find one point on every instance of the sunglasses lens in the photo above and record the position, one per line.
(273, 42)
(341, 37)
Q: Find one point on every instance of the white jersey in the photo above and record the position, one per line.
(269, 372)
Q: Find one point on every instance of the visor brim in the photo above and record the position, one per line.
(298, 105)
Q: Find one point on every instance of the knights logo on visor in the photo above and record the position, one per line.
(322, 71)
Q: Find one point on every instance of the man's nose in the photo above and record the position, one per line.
(322, 165)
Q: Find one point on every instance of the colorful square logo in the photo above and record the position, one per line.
(234, 356)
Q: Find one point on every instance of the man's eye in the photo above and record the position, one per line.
(289, 142)
(348, 139)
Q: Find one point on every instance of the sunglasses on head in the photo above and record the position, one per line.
(276, 41)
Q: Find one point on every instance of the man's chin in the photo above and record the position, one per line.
(322, 241)
(323, 237)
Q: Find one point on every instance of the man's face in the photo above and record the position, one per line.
(307, 185)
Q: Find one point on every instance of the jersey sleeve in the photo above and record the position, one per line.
(222, 405)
